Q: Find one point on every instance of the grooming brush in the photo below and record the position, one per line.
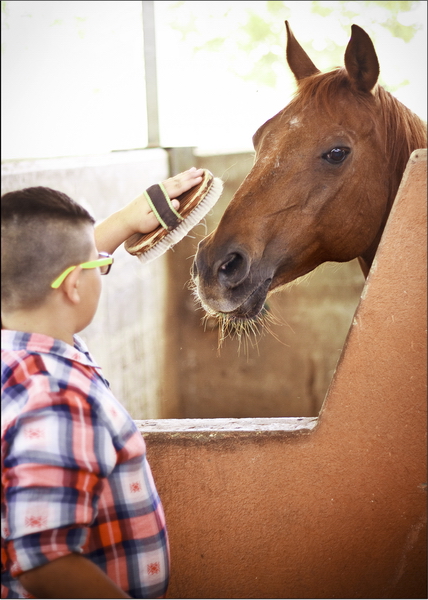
(174, 225)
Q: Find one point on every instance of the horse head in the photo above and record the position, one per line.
(326, 171)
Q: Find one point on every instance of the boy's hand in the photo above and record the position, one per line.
(137, 216)
(174, 186)
(177, 185)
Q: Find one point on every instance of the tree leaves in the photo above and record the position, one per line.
(252, 34)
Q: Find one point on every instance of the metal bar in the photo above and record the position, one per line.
(153, 136)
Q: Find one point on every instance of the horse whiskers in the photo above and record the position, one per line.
(246, 331)
(270, 320)
(226, 172)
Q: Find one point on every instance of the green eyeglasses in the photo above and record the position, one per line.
(104, 262)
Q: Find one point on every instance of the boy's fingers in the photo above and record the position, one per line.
(182, 182)
(192, 172)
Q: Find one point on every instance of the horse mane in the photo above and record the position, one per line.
(402, 130)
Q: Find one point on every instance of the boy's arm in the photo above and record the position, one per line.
(137, 216)
(71, 576)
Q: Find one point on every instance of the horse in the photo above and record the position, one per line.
(326, 171)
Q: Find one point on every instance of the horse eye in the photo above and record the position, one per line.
(336, 155)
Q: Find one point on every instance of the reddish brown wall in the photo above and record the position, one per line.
(258, 511)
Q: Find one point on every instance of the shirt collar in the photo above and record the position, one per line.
(44, 344)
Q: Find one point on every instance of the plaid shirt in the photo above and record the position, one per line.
(75, 477)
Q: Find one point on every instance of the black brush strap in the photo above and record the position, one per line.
(162, 207)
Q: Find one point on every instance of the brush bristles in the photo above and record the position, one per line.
(192, 219)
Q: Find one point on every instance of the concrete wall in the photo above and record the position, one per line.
(126, 335)
(333, 507)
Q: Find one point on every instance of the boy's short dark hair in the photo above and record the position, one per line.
(41, 236)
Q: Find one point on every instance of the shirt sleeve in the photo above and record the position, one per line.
(57, 455)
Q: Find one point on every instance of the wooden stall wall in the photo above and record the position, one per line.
(333, 507)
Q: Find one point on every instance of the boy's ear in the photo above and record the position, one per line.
(70, 286)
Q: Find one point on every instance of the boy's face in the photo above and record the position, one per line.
(89, 286)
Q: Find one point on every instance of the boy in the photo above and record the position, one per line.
(81, 517)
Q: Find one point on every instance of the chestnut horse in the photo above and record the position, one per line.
(326, 172)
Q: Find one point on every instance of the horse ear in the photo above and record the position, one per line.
(298, 61)
(361, 61)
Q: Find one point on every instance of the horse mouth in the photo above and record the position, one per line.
(252, 305)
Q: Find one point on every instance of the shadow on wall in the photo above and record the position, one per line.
(283, 372)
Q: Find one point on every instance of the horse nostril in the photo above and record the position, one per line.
(234, 270)
(232, 265)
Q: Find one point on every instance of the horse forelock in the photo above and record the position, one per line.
(321, 90)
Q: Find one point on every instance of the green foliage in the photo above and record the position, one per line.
(323, 11)
(4, 23)
(405, 32)
(257, 29)
(253, 46)
(348, 10)
(277, 8)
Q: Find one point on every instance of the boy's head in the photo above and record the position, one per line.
(43, 233)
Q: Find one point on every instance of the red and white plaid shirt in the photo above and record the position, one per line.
(75, 477)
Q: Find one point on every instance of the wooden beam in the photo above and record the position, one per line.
(149, 34)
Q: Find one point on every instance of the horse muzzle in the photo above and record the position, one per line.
(229, 284)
